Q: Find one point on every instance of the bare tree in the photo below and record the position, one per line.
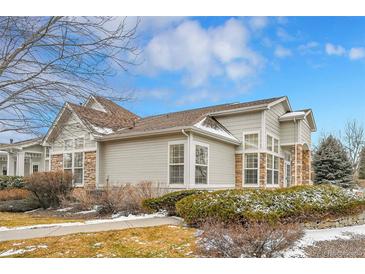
(47, 60)
(353, 141)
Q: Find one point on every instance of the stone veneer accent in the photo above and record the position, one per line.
(56, 162)
(358, 219)
(262, 170)
(281, 172)
(90, 170)
(306, 167)
(297, 163)
(238, 170)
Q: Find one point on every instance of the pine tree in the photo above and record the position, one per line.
(331, 163)
(362, 165)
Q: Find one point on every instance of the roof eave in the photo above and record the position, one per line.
(215, 136)
(239, 110)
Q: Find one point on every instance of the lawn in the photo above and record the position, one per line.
(25, 219)
(152, 242)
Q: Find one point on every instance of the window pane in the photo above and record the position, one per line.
(276, 177)
(47, 152)
(201, 155)
(201, 174)
(251, 160)
(68, 144)
(269, 177)
(276, 162)
(67, 160)
(176, 174)
(276, 146)
(269, 161)
(79, 143)
(251, 176)
(35, 168)
(78, 159)
(269, 143)
(251, 141)
(78, 174)
(177, 154)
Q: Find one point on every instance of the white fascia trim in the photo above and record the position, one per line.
(215, 136)
(239, 110)
(314, 127)
(285, 98)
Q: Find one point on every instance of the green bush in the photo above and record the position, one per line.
(168, 201)
(11, 182)
(296, 204)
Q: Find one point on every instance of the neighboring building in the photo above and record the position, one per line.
(255, 144)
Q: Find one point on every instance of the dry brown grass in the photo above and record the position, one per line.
(25, 219)
(152, 242)
(14, 194)
(340, 248)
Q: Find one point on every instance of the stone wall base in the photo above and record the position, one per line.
(358, 219)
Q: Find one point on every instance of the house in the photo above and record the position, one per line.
(254, 144)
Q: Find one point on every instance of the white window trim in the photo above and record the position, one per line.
(273, 137)
(73, 166)
(273, 170)
(244, 169)
(194, 161)
(185, 165)
(35, 164)
(258, 141)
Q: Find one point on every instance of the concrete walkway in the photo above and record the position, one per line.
(50, 231)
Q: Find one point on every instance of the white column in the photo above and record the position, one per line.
(20, 163)
(9, 159)
(191, 163)
(97, 164)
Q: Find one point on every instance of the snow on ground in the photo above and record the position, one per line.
(90, 222)
(328, 234)
(11, 252)
(64, 209)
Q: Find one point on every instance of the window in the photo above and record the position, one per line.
(251, 141)
(67, 161)
(68, 144)
(4, 170)
(78, 168)
(251, 169)
(272, 144)
(47, 152)
(176, 164)
(201, 164)
(79, 143)
(35, 168)
(272, 170)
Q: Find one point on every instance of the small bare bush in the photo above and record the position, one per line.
(259, 240)
(49, 188)
(81, 199)
(125, 199)
(14, 194)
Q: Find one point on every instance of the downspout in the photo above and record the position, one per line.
(188, 164)
(295, 151)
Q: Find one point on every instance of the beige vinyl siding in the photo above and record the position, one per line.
(272, 119)
(305, 132)
(288, 132)
(133, 161)
(239, 123)
(221, 162)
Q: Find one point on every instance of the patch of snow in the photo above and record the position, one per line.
(293, 114)
(316, 235)
(11, 252)
(87, 211)
(215, 130)
(98, 244)
(103, 130)
(64, 209)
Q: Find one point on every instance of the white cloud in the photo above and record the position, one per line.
(357, 53)
(309, 48)
(335, 50)
(153, 93)
(258, 22)
(284, 35)
(201, 53)
(282, 52)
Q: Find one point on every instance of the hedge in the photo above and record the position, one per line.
(296, 204)
(167, 202)
(11, 182)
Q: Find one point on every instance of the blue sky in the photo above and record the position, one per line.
(319, 62)
(189, 62)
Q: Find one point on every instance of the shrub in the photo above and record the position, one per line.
(260, 240)
(125, 199)
(19, 205)
(11, 182)
(49, 187)
(14, 194)
(80, 199)
(301, 203)
(168, 201)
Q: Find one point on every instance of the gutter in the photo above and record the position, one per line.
(240, 110)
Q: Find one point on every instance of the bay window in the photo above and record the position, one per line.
(272, 144)
(251, 141)
(201, 164)
(251, 169)
(176, 163)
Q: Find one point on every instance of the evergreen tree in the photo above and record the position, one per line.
(362, 165)
(331, 163)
